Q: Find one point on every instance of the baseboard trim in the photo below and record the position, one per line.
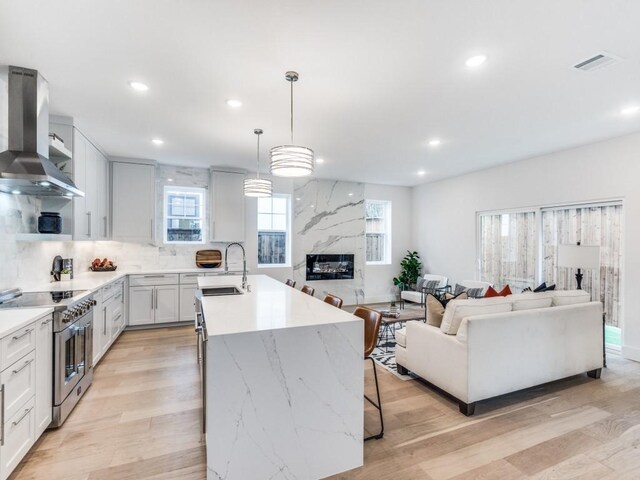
(632, 353)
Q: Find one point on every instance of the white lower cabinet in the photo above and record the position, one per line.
(44, 373)
(188, 303)
(19, 437)
(150, 305)
(108, 318)
(27, 390)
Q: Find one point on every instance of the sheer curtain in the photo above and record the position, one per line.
(508, 249)
(590, 225)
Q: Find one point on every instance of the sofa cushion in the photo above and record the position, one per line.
(529, 301)
(401, 337)
(411, 296)
(430, 286)
(570, 297)
(458, 309)
(435, 310)
(436, 307)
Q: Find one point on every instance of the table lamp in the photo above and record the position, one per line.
(579, 256)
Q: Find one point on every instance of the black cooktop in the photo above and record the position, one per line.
(43, 299)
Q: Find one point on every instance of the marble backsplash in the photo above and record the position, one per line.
(329, 218)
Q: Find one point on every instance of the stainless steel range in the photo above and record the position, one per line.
(72, 342)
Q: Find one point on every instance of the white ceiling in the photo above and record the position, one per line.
(378, 78)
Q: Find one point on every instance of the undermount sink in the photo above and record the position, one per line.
(222, 290)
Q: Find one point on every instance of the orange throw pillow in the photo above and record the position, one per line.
(505, 291)
(491, 292)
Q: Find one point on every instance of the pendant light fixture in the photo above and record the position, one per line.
(291, 160)
(257, 187)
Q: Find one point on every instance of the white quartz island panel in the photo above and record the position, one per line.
(284, 384)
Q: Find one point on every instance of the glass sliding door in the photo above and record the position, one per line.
(590, 225)
(508, 249)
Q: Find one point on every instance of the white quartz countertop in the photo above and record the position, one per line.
(96, 280)
(12, 319)
(270, 305)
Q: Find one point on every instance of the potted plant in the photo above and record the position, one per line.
(65, 275)
(411, 267)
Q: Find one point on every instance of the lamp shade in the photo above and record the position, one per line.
(257, 187)
(579, 256)
(291, 161)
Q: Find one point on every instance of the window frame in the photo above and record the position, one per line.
(287, 232)
(388, 232)
(202, 218)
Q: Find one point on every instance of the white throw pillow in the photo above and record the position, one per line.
(458, 309)
(529, 301)
(570, 297)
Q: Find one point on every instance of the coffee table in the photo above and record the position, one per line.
(391, 324)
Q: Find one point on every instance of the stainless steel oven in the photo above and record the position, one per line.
(73, 357)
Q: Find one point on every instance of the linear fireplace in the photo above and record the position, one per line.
(328, 266)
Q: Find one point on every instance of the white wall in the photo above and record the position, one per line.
(379, 278)
(445, 211)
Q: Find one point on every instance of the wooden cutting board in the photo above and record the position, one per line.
(208, 258)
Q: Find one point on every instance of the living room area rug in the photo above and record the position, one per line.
(385, 356)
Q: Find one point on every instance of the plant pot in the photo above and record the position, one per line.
(65, 277)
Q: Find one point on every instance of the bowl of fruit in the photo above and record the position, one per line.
(104, 265)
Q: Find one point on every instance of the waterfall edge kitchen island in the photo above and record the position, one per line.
(283, 386)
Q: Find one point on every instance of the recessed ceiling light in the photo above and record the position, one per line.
(16, 192)
(319, 160)
(631, 110)
(298, 199)
(422, 172)
(476, 61)
(350, 194)
(68, 194)
(169, 179)
(45, 184)
(139, 86)
(312, 206)
(234, 103)
(435, 142)
(157, 141)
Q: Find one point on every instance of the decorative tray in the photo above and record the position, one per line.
(103, 269)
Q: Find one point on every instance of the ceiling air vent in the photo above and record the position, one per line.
(597, 62)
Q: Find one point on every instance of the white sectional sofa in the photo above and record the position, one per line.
(489, 347)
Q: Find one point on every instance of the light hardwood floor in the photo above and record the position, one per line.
(140, 420)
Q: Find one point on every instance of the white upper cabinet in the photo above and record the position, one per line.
(133, 202)
(86, 218)
(227, 206)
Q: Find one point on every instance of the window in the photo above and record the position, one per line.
(184, 215)
(590, 225)
(273, 231)
(378, 228)
(508, 249)
(520, 249)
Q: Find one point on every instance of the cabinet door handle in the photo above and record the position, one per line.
(88, 224)
(24, 365)
(156, 299)
(104, 322)
(117, 318)
(26, 332)
(47, 322)
(152, 294)
(153, 276)
(24, 415)
(2, 391)
(152, 229)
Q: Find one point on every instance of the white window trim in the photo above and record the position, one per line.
(287, 263)
(203, 212)
(388, 233)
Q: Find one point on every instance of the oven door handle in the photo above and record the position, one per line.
(88, 345)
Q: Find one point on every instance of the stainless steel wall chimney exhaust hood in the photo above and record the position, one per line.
(25, 167)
